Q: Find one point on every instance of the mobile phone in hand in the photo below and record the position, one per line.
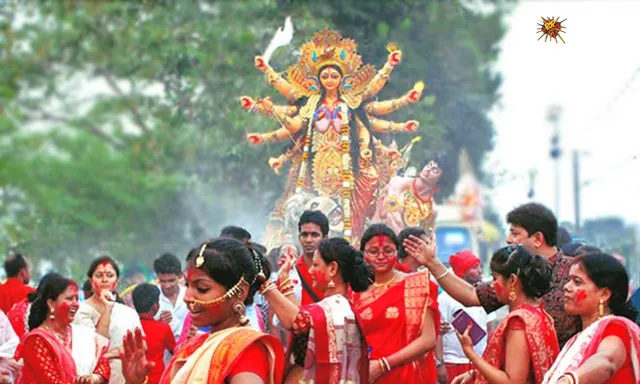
(461, 321)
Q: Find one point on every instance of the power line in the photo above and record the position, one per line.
(611, 170)
(615, 99)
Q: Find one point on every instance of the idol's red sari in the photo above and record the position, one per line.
(541, 340)
(211, 357)
(393, 317)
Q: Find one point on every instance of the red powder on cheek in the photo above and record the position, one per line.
(580, 295)
(63, 310)
(498, 288)
(320, 278)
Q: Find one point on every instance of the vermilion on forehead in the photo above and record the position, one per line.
(380, 241)
(105, 267)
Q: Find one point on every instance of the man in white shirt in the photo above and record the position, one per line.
(451, 361)
(173, 310)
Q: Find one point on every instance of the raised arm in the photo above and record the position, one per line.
(386, 126)
(389, 106)
(456, 287)
(517, 357)
(602, 365)
(266, 107)
(280, 84)
(382, 76)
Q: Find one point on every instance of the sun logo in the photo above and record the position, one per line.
(551, 28)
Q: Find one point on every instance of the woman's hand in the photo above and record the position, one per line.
(463, 379)
(465, 340)
(88, 379)
(288, 260)
(259, 62)
(193, 331)
(395, 58)
(375, 371)
(135, 366)
(255, 138)
(106, 298)
(411, 126)
(423, 251)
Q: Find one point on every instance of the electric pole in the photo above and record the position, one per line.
(553, 116)
(576, 189)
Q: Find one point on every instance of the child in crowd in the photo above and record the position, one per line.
(159, 337)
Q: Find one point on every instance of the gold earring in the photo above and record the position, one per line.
(239, 308)
(512, 295)
(601, 309)
(331, 283)
(52, 316)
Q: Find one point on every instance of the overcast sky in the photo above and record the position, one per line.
(585, 77)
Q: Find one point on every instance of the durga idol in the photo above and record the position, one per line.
(331, 123)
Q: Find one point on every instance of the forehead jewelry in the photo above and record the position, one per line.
(200, 258)
(233, 291)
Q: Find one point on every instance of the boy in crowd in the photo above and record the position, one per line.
(159, 337)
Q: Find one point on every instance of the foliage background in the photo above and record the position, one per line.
(121, 130)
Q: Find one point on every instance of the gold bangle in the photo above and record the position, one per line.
(443, 275)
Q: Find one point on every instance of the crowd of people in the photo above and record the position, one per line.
(324, 311)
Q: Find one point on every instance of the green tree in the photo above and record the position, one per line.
(121, 130)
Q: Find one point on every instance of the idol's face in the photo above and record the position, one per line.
(330, 78)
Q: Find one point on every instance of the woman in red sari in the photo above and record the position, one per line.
(55, 351)
(607, 350)
(524, 344)
(327, 344)
(19, 313)
(398, 313)
(221, 275)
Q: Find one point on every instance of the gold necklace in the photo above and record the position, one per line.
(63, 339)
(386, 284)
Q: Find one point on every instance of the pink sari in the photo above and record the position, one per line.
(585, 344)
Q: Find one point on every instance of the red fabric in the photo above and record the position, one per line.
(455, 370)
(463, 261)
(391, 319)
(251, 361)
(229, 353)
(186, 326)
(303, 271)
(159, 338)
(625, 373)
(12, 292)
(17, 317)
(402, 268)
(46, 360)
(541, 340)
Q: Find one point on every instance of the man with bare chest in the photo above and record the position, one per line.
(408, 201)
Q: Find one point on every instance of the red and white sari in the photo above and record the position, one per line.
(585, 344)
(328, 344)
(541, 340)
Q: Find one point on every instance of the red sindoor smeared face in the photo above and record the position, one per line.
(381, 253)
(66, 305)
(104, 277)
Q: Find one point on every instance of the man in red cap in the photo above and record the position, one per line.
(451, 360)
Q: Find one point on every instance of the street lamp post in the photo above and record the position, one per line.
(553, 116)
